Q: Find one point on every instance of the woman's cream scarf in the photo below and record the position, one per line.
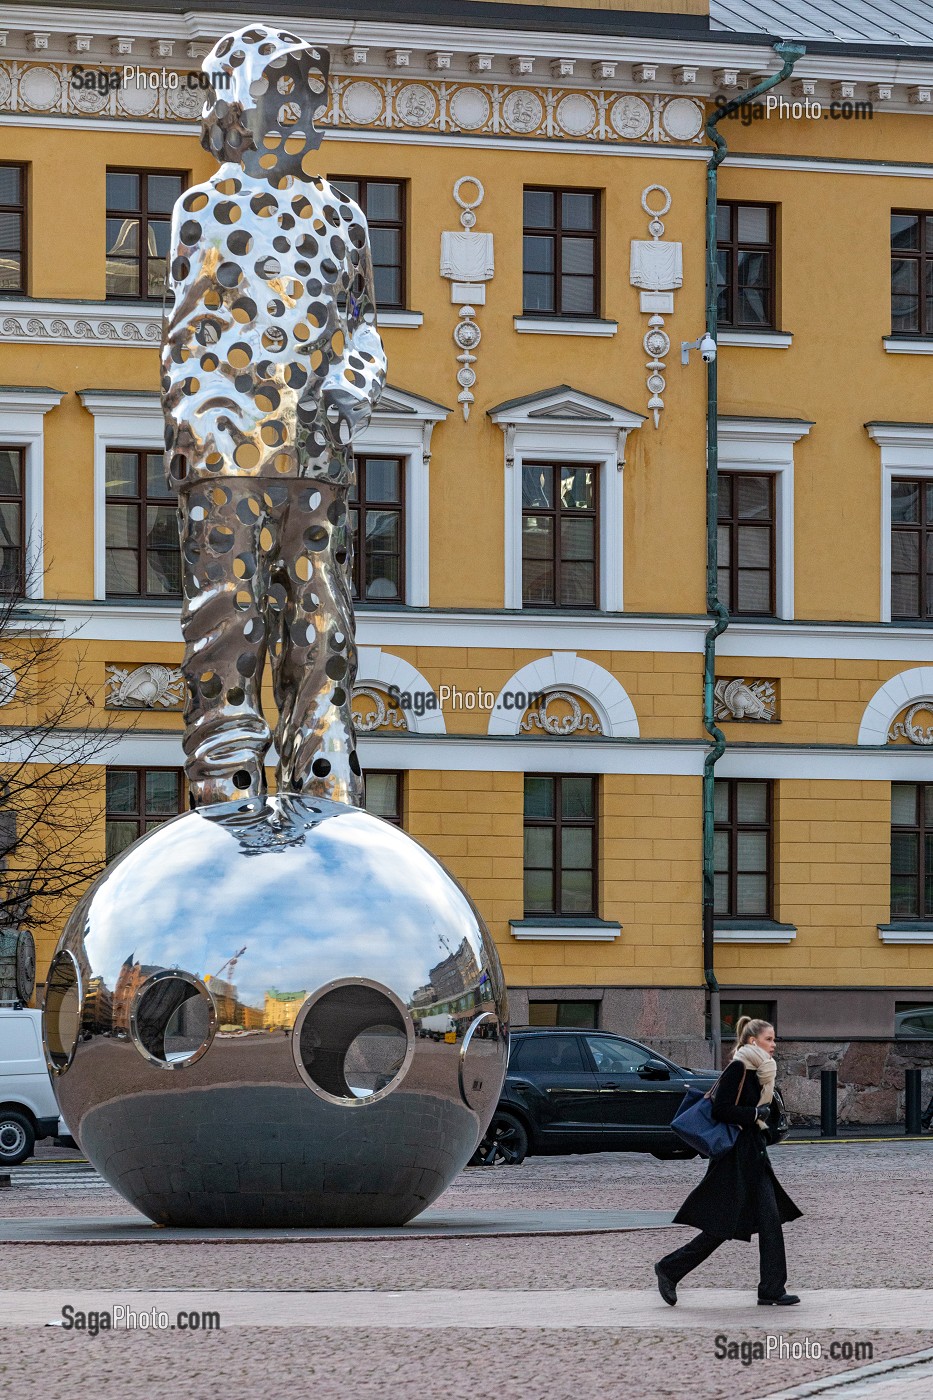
(753, 1057)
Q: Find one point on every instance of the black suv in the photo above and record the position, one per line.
(591, 1091)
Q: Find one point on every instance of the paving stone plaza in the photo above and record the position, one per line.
(547, 1314)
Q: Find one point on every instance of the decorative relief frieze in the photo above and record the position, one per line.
(906, 727)
(374, 710)
(560, 713)
(53, 323)
(436, 102)
(146, 687)
(739, 699)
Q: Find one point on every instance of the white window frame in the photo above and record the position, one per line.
(906, 450)
(121, 420)
(567, 427)
(22, 415)
(765, 447)
(401, 426)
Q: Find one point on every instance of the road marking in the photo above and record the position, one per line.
(55, 1176)
(910, 1376)
(927, 1141)
(701, 1309)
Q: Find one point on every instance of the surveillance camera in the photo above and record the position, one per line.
(708, 349)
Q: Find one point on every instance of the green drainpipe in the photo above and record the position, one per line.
(789, 53)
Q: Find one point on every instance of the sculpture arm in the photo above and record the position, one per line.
(197, 395)
(355, 380)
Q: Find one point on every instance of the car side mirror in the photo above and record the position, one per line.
(654, 1069)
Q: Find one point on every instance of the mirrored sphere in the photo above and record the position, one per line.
(280, 1011)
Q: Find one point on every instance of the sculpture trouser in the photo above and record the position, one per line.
(772, 1258)
(265, 566)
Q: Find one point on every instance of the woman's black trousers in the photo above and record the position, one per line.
(770, 1247)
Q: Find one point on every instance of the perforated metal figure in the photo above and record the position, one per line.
(271, 363)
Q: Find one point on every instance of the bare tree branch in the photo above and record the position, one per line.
(52, 743)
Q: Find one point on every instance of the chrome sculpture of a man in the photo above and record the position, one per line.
(171, 1076)
(271, 363)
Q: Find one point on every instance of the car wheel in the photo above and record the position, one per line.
(674, 1154)
(17, 1138)
(505, 1143)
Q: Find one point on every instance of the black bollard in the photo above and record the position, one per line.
(912, 1111)
(828, 1080)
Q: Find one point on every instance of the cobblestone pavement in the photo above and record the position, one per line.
(866, 1224)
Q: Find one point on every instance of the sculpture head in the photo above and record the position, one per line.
(268, 87)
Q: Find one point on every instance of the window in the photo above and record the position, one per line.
(382, 795)
(12, 228)
(560, 845)
(560, 531)
(912, 548)
(743, 840)
(143, 557)
(547, 1053)
(139, 799)
(139, 217)
(616, 1056)
(913, 1020)
(563, 1013)
(746, 542)
(911, 273)
(911, 850)
(12, 512)
(745, 263)
(561, 252)
(383, 203)
(377, 520)
(730, 1013)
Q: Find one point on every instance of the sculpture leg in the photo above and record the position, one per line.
(224, 623)
(316, 667)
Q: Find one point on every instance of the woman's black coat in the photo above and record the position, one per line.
(725, 1203)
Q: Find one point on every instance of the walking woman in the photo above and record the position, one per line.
(739, 1196)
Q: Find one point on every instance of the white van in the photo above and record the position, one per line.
(27, 1104)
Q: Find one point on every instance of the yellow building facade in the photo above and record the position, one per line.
(532, 499)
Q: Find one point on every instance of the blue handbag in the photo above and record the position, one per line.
(694, 1122)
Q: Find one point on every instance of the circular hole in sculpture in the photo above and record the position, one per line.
(173, 1020)
(61, 1023)
(353, 1042)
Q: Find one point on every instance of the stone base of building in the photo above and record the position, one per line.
(830, 1028)
(671, 1020)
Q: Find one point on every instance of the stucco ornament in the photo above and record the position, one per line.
(907, 727)
(8, 683)
(656, 268)
(193, 1088)
(576, 722)
(745, 700)
(146, 687)
(468, 262)
(371, 712)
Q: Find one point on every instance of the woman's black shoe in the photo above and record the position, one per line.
(666, 1287)
(786, 1301)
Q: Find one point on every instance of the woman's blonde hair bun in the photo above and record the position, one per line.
(748, 1027)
